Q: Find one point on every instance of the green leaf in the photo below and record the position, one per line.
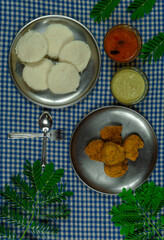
(127, 230)
(139, 235)
(23, 186)
(136, 216)
(59, 212)
(145, 194)
(25, 204)
(33, 173)
(50, 178)
(57, 195)
(139, 8)
(42, 228)
(103, 9)
(12, 215)
(162, 219)
(151, 197)
(127, 196)
(153, 48)
(160, 223)
(7, 234)
(16, 200)
(68, 193)
(126, 217)
(157, 201)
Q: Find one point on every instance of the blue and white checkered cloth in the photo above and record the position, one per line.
(89, 210)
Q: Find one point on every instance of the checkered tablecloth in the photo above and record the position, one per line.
(89, 210)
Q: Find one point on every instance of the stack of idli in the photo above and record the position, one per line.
(53, 60)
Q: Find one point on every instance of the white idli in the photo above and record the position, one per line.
(63, 78)
(35, 75)
(57, 36)
(31, 47)
(77, 53)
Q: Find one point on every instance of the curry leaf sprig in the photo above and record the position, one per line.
(139, 8)
(32, 203)
(154, 48)
(103, 9)
(138, 215)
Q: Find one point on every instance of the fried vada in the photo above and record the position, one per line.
(112, 153)
(117, 170)
(131, 145)
(94, 149)
(112, 133)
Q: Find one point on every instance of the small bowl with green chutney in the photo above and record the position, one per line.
(129, 85)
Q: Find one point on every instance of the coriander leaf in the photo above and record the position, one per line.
(139, 7)
(103, 9)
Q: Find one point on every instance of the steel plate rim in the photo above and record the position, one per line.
(45, 105)
(106, 107)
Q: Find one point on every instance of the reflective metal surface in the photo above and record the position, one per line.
(88, 77)
(92, 172)
(54, 134)
(45, 123)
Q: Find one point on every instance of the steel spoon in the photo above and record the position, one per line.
(45, 123)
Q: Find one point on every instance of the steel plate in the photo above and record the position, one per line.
(88, 77)
(92, 172)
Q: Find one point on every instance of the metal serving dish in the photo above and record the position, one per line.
(88, 77)
(92, 172)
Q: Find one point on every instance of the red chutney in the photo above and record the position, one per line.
(122, 44)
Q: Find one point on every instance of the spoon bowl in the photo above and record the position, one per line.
(45, 122)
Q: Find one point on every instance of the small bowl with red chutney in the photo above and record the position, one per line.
(122, 43)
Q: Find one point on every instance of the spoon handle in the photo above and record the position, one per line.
(24, 135)
(43, 158)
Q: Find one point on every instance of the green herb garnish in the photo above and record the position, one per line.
(138, 215)
(103, 9)
(32, 203)
(153, 48)
(138, 8)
